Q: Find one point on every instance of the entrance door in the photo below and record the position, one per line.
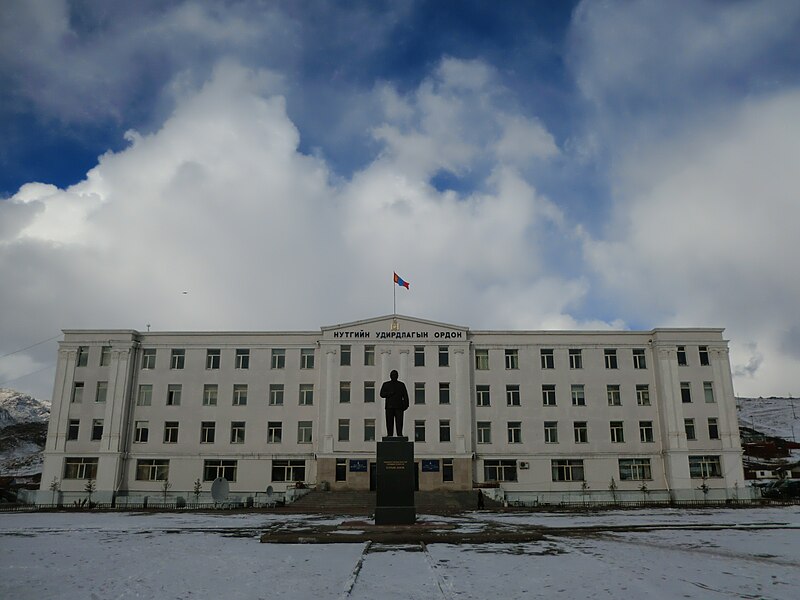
(373, 472)
(416, 476)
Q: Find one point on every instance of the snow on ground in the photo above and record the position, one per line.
(123, 556)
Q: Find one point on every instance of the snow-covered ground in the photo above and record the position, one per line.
(778, 417)
(91, 556)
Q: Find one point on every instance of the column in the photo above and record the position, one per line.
(462, 400)
(331, 383)
(385, 368)
(62, 394)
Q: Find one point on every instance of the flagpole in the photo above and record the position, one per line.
(394, 297)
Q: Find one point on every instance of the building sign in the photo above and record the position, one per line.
(430, 466)
(398, 335)
(358, 466)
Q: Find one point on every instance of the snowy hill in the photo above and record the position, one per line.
(23, 429)
(776, 417)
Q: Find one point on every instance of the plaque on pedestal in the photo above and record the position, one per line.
(394, 504)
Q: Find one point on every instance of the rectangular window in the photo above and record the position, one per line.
(344, 430)
(682, 356)
(240, 394)
(288, 470)
(547, 358)
(481, 359)
(705, 467)
(369, 356)
(101, 392)
(145, 395)
(634, 469)
(304, 432)
(83, 356)
(213, 357)
(306, 358)
(97, 430)
(613, 394)
(703, 352)
(419, 431)
(219, 468)
(210, 392)
(567, 470)
(484, 432)
(617, 432)
(77, 392)
(483, 395)
(639, 361)
(513, 395)
(548, 395)
(369, 392)
(713, 428)
(688, 425)
(419, 356)
(500, 470)
(444, 356)
(174, 394)
(152, 469)
(512, 358)
(551, 432)
(708, 392)
(73, 429)
(447, 469)
(686, 392)
(444, 430)
(610, 355)
(80, 468)
(105, 356)
(345, 355)
(242, 358)
(306, 394)
(278, 359)
(419, 392)
(642, 394)
(177, 359)
(341, 469)
(276, 394)
(578, 395)
(208, 432)
(141, 432)
(581, 432)
(171, 432)
(575, 358)
(149, 358)
(646, 432)
(369, 430)
(274, 432)
(344, 392)
(444, 393)
(515, 432)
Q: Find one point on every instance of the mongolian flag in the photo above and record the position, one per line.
(400, 281)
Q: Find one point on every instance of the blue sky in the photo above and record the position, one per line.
(531, 165)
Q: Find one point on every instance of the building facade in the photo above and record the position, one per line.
(546, 416)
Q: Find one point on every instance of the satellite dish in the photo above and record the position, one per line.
(220, 489)
(269, 491)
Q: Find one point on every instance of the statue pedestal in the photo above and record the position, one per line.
(394, 503)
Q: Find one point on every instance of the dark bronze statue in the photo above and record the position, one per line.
(396, 403)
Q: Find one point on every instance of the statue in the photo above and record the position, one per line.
(396, 403)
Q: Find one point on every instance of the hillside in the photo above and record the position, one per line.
(23, 430)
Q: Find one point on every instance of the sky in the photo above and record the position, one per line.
(524, 165)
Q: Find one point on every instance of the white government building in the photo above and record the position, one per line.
(546, 416)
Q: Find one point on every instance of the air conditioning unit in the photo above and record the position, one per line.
(523, 464)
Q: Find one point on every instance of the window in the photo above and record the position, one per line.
(177, 359)
(242, 358)
(240, 394)
(73, 429)
(551, 432)
(83, 356)
(713, 428)
(210, 392)
(688, 425)
(419, 356)
(483, 395)
(614, 398)
(80, 468)
(482, 359)
(306, 394)
(77, 392)
(344, 430)
(288, 470)
(617, 432)
(145, 395)
(704, 466)
(304, 432)
(171, 432)
(369, 356)
(581, 432)
(682, 356)
(512, 395)
(306, 358)
(208, 432)
(152, 469)
(703, 352)
(97, 430)
(276, 394)
(515, 432)
(444, 430)
(447, 469)
(174, 394)
(634, 469)
(444, 356)
(610, 357)
(444, 393)
(344, 392)
(512, 359)
(141, 432)
(547, 358)
(369, 430)
(642, 394)
(344, 355)
(548, 395)
(274, 432)
(419, 431)
(708, 391)
(639, 361)
(686, 392)
(105, 356)
(341, 469)
(212, 358)
(369, 392)
(278, 360)
(219, 468)
(646, 431)
(149, 358)
(101, 392)
(500, 470)
(419, 392)
(484, 432)
(578, 395)
(575, 358)
(567, 470)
